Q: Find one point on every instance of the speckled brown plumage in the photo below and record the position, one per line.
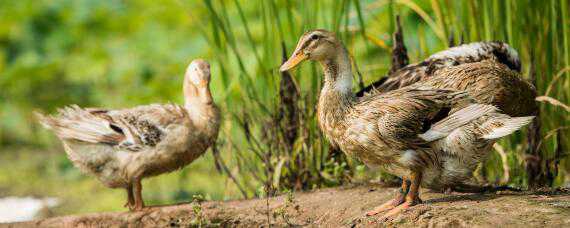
(489, 82)
(149, 134)
(468, 53)
(388, 130)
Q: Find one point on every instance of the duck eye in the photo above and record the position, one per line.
(314, 37)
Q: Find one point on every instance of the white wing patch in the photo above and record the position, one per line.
(471, 49)
(447, 125)
(509, 126)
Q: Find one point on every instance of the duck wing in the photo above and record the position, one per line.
(467, 53)
(409, 119)
(132, 129)
(406, 115)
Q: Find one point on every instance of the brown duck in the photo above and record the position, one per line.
(432, 132)
(121, 147)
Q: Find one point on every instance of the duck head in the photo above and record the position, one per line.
(197, 82)
(318, 45)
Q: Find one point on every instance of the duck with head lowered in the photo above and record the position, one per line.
(121, 147)
(433, 132)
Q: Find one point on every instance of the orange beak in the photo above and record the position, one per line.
(295, 59)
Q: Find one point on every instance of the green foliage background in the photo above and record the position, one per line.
(126, 53)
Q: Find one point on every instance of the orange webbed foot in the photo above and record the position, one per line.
(399, 199)
(386, 206)
(401, 208)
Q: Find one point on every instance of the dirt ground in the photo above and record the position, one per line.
(344, 207)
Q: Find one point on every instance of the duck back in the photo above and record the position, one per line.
(489, 82)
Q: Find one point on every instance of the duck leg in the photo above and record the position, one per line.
(398, 199)
(139, 203)
(412, 198)
(130, 198)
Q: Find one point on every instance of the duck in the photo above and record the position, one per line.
(427, 133)
(474, 52)
(121, 147)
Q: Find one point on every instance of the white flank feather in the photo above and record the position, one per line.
(510, 125)
(456, 120)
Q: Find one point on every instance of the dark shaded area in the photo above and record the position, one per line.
(534, 161)
(288, 107)
(442, 113)
(502, 57)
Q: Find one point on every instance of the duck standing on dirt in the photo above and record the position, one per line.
(121, 147)
(431, 132)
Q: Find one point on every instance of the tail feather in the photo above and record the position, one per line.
(456, 120)
(78, 124)
(508, 126)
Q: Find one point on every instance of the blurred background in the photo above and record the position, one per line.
(119, 54)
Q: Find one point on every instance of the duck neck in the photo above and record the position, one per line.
(336, 95)
(199, 105)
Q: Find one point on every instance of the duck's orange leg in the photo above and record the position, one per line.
(412, 198)
(398, 199)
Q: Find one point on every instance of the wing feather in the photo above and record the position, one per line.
(405, 111)
(467, 53)
(132, 129)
